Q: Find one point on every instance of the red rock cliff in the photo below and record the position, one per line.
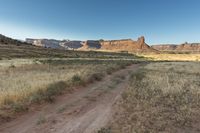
(119, 45)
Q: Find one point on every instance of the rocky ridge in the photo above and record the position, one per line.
(107, 45)
(186, 47)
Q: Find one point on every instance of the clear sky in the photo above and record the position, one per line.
(160, 21)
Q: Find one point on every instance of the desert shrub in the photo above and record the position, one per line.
(122, 66)
(96, 77)
(48, 93)
(110, 70)
(104, 130)
(41, 120)
(54, 89)
(76, 78)
(12, 66)
(19, 107)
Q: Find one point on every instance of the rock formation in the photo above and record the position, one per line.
(189, 47)
(186, 47)
(118, 45)
(165, 47)
(51, 43)
(71, 45)
(128, 45)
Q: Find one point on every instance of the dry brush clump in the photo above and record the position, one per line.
(161, 97)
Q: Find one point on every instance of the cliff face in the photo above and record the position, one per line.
(165, 47)
(109, 45)
(70, 45)
(190, 47)
(119, 45)
(51, 43)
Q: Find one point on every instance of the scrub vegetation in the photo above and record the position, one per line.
(161, 97)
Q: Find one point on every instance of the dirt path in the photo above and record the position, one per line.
(84, 111)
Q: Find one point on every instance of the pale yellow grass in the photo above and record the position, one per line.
(173, 57)
(24, 81)
(20, 82)
(17, 62)
(161, 97)
(174, 76)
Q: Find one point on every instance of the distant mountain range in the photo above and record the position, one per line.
(124, 45)
(52, 43)
(119, 45)
(186, 47)
(128, 45)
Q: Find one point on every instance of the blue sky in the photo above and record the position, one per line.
(160, 21)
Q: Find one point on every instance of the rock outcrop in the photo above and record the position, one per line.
(186, 47)
(128, 45)
(45, 43)
(165, 47)
(51, 43)
(71, 45)
(118, 45)
(189, 47)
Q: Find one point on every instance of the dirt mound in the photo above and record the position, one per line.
(118, 45)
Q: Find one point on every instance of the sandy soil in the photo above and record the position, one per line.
(86, 110)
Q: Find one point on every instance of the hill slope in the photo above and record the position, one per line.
(6, 40)
(10, 48)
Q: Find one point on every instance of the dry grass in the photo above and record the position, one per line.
(25, 84)
(161, 97)
(20, 82)
(173, 57)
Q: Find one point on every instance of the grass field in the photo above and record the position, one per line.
(161, 97)
(173, 57)
(30, 83)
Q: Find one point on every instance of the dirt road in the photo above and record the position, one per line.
(86, 110)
